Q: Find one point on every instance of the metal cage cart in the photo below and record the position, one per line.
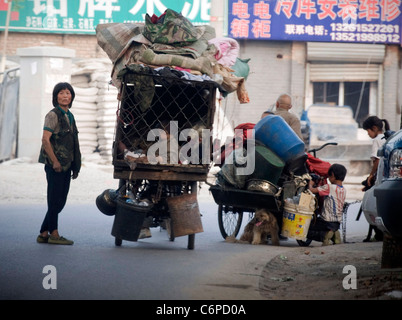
(157, 186)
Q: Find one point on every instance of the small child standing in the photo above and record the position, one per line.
(326, 227)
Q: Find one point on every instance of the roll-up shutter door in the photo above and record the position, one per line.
(344, 72)
(345, 52)
(344, 61)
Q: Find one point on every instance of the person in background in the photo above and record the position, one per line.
(326, 227)
(283, 105)
(266, 113)
(61, 155)
(375, 129)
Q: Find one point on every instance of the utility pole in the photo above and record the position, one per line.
(3, 57)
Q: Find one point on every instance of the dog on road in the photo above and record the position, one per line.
(256, 231)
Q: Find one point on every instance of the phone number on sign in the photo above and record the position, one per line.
(365, 37)
(366, 28)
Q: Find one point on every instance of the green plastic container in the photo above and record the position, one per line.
(268, 166)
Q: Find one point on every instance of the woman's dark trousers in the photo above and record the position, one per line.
(58, 185)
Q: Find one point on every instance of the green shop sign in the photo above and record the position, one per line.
(82, 16)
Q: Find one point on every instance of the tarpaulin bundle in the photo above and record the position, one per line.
(172, 40)
(156, 19)
(171, 27)
(239, 140)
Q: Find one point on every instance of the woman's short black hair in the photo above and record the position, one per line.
(61, 86)
(338, 170)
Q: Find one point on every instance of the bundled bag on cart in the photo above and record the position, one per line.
(171, 27)
(238, 141)
(317, 166)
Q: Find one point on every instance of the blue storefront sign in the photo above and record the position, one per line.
(82, 16)
(365, 21)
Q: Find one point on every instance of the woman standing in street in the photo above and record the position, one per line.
(61, 155)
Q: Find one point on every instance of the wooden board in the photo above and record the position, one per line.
(159, 175)
(185, 214)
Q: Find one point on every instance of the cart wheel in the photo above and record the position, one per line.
(169, 229)
(191, 237)
(304, 243)
(229, 221)
(118, 241)
(191, 241)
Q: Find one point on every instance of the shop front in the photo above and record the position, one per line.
(338, 53)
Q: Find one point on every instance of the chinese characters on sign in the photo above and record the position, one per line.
(374, 21)
(82, 16)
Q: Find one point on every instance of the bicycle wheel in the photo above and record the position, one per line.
(229, 221)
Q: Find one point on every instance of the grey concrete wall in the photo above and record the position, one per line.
(271, 71)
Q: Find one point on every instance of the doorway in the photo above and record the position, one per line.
(355, 94)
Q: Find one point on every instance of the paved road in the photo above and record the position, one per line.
(93, 268)
(155, 268)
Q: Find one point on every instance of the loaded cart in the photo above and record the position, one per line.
(293, 220)
(278, 183)
(161, 150)
(168, 73)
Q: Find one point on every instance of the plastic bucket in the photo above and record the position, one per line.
(128, 220)
(274, 132)
(296, 221)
